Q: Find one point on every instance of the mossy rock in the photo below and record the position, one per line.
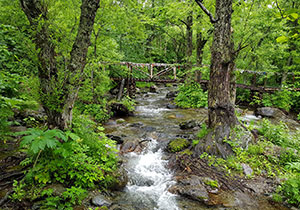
(178, 145)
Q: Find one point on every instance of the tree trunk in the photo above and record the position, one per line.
(199, 54)
(189, 40)
(221, 109)
(58, 93)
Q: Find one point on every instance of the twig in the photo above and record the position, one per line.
(208, 13)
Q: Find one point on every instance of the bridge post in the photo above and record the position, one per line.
(265, 80)
(151, 71)
(174, 72)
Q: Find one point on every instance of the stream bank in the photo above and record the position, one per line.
(185, 185)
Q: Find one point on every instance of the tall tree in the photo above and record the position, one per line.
(59, 83)
(221, 112)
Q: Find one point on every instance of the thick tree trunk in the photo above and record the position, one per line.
(221, 89)
(58, 95)
(221, 108)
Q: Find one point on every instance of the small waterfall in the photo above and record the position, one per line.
(150, 179)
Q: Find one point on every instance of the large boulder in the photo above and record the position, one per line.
(270, 112)
(120, 109)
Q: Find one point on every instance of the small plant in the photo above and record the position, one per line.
(203, 131)
(212, 183)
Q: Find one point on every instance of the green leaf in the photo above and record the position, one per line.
(282, 39)
(294, 16)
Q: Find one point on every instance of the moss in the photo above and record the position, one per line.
(186, 152)
(178, 145)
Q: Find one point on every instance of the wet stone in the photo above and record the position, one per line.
(100, 200)
(247, 169)
(136, 125)
(188, 124)
(118, 139)
(171, 106)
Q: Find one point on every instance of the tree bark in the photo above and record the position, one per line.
(221, 93)
(221, 108)
(189, 40)
(199, 54)
(58, 94)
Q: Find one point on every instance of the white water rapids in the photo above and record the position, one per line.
(150, 179)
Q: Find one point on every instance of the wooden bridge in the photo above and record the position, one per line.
(167, 73)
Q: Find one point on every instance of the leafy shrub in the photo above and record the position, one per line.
(98, 111)
(290, 189)
(191, 95)
(82, 158)
(277, 134)
(281, 99)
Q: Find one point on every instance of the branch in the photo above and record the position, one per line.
(183, 22)
(211, 17)
(280, 10)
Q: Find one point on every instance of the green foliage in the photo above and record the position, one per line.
(98, 111)
(203, 131)
(129, 103)
(70, 197)
(212, 183)
(277, 134)
(81, 159)
(281, 99)
(290, 190)
(178, 145)
(191, 95)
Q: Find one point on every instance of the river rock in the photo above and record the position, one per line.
(120, 121)
(136, 125)
(120, 181)
(191, 187)
(120, 109)
(188, 124)
(172, 94)
(130, 146)
(118, 139)
(270, 112)
(149, 128)
(171, 106)
(153, 89)
(100, 200)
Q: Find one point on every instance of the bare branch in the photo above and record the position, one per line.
(211, 17)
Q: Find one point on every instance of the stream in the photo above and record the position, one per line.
(149, 178)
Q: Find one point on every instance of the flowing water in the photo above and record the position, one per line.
(149, 177)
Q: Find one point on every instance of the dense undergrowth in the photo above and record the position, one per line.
(80, 159)
(276, 153)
